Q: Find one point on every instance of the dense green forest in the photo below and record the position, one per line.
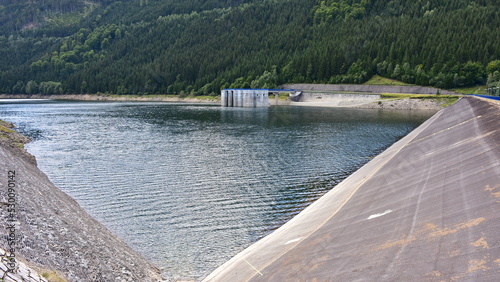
(200, 46)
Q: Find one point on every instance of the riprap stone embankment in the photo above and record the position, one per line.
(52, 232)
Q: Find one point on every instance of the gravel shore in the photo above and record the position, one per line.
(400, 104)
(96, 97)
(405, 104)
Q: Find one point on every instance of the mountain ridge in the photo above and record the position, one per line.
(198, 46)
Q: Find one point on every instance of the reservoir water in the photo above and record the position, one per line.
(190, 186)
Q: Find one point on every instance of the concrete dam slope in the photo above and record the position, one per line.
(426, 209)
(47, 230)
(368, 88)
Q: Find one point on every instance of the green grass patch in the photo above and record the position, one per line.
(415, 96)
(480, 90)
(281, 96)
(6, 129)
(11, 136)
(444, 100)
(53, 276)
(379, 80)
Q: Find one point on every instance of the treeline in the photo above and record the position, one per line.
(199, 46)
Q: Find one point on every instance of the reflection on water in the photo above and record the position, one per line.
(189, 186)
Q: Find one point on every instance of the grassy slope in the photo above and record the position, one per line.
(379, 80)
(481, 90)
(450, 99)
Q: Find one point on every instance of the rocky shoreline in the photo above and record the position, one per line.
(406, 104)
(48, 231)
(387, 104)
(393, 104)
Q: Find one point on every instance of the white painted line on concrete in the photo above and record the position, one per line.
(379, 214)
(293, 240)
(256, 270)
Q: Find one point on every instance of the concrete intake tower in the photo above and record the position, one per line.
(245, 98)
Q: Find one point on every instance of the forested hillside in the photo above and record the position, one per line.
(201, 46)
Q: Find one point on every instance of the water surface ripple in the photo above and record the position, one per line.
(189, 186)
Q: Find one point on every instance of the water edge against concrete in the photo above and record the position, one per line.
(427, 208)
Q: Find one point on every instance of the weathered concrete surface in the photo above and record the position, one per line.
(52, 231)
(426, 209)
(368, 88)
(248, 98)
